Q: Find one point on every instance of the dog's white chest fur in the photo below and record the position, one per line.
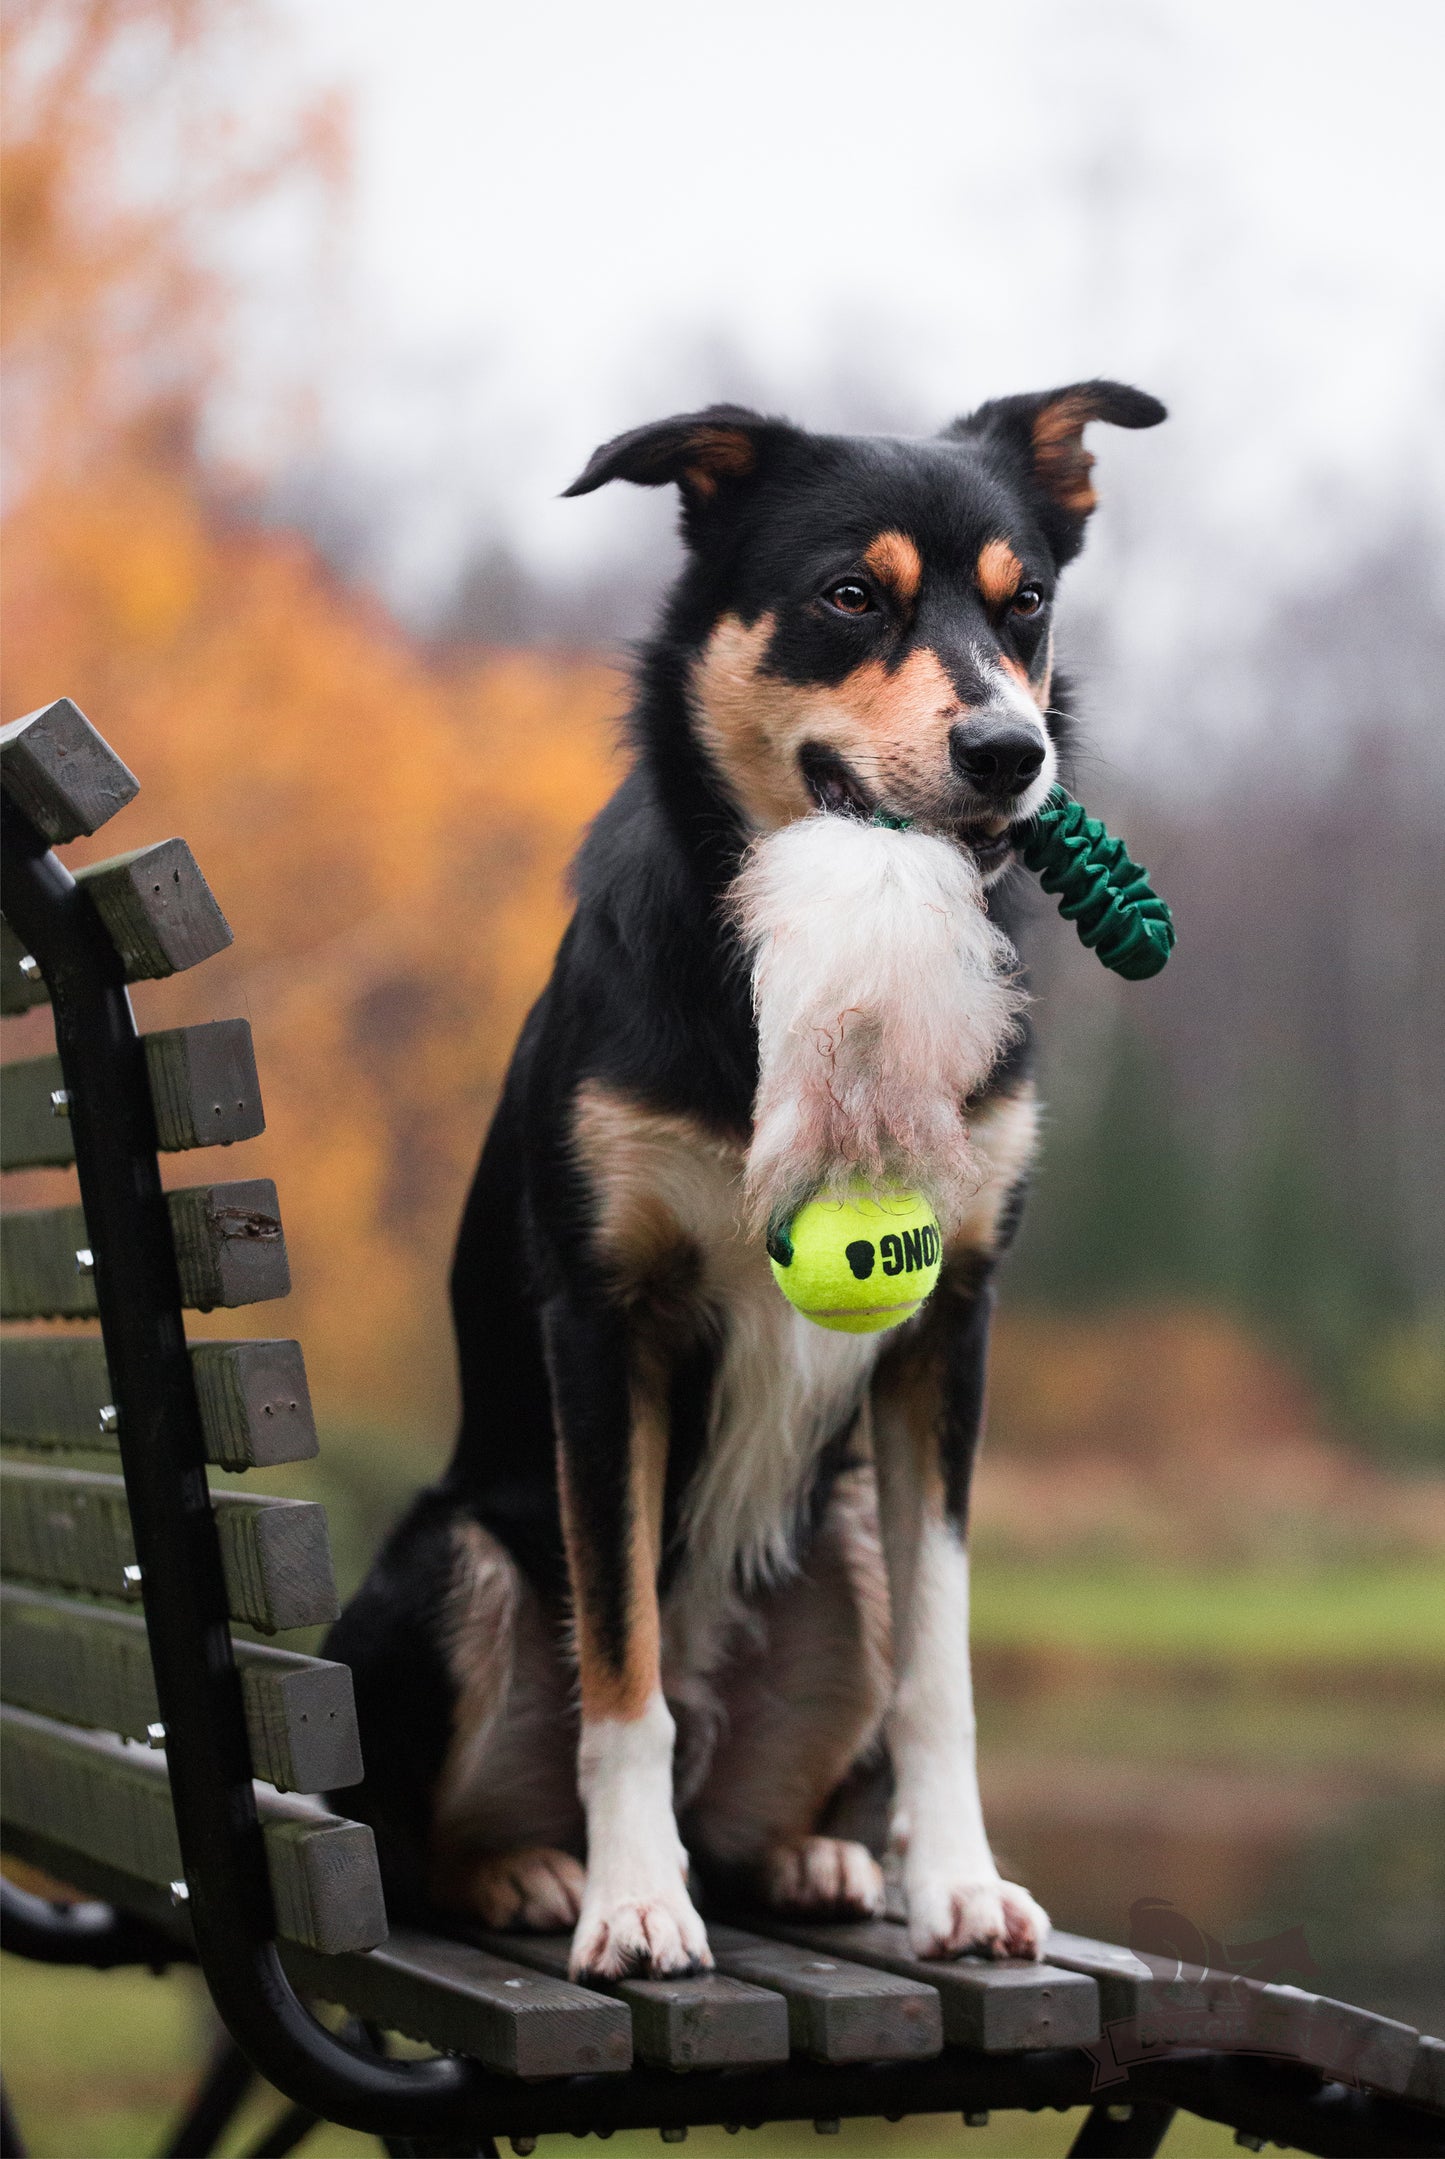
(784, 1387)
(884, 996)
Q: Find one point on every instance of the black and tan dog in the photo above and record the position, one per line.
(696, 1560)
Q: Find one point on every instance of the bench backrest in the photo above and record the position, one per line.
(84, 1761)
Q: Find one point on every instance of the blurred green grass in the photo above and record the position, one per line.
(98, 2064)
(1337, 1617)
(1325, 1616)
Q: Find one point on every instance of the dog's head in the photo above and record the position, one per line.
(865, 622)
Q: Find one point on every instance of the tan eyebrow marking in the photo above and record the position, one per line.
(895, 562)
(1000, 572)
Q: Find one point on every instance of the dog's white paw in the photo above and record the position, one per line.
(986, 1918)
(651, 1936)
(534, 1889)
(823, 1876)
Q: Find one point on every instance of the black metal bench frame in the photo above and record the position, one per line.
(448, 2104)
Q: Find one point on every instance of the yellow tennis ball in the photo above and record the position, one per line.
(858, 1264)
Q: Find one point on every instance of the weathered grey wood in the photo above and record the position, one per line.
(1427, 2073)
(55, 1392)
(229, 1244)
(837, 2012)
(34, 1127)
(1126, 1983)
(69, 1529)
(463, 2000)
(1191, 2005)
(1165, 2003)
(61, 773)
(997, 2008)
(86, 1666)
(112, 1801)
(1352, 2044)
(708, 2022)
(204, 1085)
(255, 1403)
(229, 1248)
(20, 989)
(42, 1274)
(158, 910)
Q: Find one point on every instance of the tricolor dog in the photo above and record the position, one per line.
(698, 1564)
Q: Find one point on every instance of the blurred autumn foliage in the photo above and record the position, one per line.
(386, 832)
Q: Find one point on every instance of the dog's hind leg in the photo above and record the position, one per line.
(802, 1702)
(506, 1822)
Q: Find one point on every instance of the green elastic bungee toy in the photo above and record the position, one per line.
(1109, 900)
(1107, 897)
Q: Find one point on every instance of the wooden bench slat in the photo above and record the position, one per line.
(112, 1802)
(34, 1134)
(1427, 2073)
(229, 1248)
(85, 1666)
(996, 2008)
(62, 774)
(157, 910)
(1126, 1983)
(203, 1084)
(1353, 2044)
(254, 1401)
(70, 1529)
(707, 2022)
(1182, 2004)
(463, 2000)
(837, 2012)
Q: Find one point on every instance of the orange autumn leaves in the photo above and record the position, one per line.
(388, 837)
(386, 830)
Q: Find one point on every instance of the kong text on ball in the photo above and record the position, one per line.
(860, 1263)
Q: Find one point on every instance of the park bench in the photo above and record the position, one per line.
(163, 1768)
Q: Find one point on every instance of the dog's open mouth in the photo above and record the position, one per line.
(987, 842)
(836, 788)
(833, 784)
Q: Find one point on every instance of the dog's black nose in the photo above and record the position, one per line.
(998, 757)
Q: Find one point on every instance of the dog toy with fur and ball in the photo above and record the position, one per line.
(859, 1263)
(868, 1260)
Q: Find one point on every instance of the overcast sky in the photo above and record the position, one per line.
(567, 218)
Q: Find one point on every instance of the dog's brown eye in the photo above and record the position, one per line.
(850, 598)
(1028, 600)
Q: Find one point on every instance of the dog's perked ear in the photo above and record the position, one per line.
(1041, 436)
(706, 454)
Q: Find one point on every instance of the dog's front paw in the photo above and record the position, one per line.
(652, 1936)
(986, 1918)
(823, 1877)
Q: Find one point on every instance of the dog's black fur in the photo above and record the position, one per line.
(650, 997)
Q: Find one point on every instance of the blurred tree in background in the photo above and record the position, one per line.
(386, 829)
